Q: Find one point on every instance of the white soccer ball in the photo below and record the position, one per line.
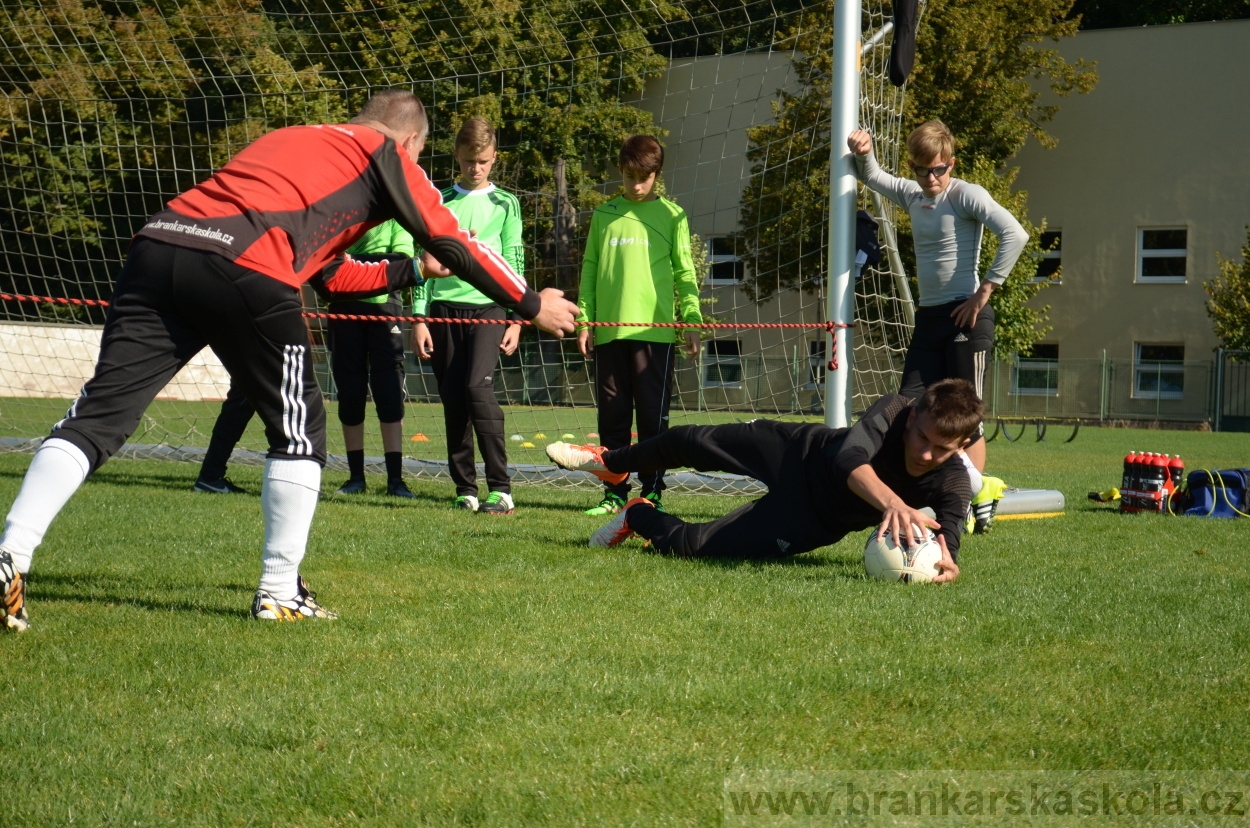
(885, 560)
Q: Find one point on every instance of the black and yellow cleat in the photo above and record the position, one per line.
(984, 505)
(12, 595)
(302, 607)
(1112, 495)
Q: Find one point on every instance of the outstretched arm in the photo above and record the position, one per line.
(897, 517)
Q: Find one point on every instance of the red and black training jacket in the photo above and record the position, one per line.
(289, 205)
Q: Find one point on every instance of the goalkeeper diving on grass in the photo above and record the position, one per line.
(222, 267)
(823, 483)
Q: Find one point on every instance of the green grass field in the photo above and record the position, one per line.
(497, 671)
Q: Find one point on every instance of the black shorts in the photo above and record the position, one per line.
(170, 302)
(367, 356)
(940, 349)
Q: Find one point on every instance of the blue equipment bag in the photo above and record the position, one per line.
(1217, 493)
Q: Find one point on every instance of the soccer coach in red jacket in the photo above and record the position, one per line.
(222, 266)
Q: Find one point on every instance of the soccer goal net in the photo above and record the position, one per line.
(109, 110)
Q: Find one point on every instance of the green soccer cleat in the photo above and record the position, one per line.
(610, 505)
(654, 498)
(466, 503)
(302, 607)
(497, 503)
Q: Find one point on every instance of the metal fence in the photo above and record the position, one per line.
(1103, 389)
(1216, 392)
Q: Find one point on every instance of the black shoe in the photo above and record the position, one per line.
(222, 486)
(354, 485)
(398, 488)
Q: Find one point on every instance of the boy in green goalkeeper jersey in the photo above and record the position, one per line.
(463, 354)
(637, 257)
(369, 354)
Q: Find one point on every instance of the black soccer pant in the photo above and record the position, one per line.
(236, 413)
(367, 356)
(940, 349)
(465, 357)
(634, 378)
(170, 302)
(781, 523)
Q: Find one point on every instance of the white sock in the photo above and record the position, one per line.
(57, 471)
(974, 476)
(288, 499)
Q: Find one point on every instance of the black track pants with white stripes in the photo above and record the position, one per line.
(169, 304)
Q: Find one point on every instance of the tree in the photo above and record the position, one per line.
(551, 77)
(109, 109)
(717, 27)
(975, 67)
(1229, 305)
(1111, 14)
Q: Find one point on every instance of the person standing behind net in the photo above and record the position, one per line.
(236, 412)
(464, 354)
(368, 355)
(637, 255)
(954, 331)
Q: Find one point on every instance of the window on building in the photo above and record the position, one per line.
(817, 362)
(722, 363)
(1159, 371)
(1037, 374)
(1162, 254)
(725, 265)
(1052, 256)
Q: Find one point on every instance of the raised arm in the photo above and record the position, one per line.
(868, 171)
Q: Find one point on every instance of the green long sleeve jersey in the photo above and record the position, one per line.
(387, 237)
(637, 254)
(496, 216)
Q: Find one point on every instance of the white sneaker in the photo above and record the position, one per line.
(616, 530)
(584, 458)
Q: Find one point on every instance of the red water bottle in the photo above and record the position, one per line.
(1158, 481)
(1145, 462)
(1129, 480)
(1176, 470)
